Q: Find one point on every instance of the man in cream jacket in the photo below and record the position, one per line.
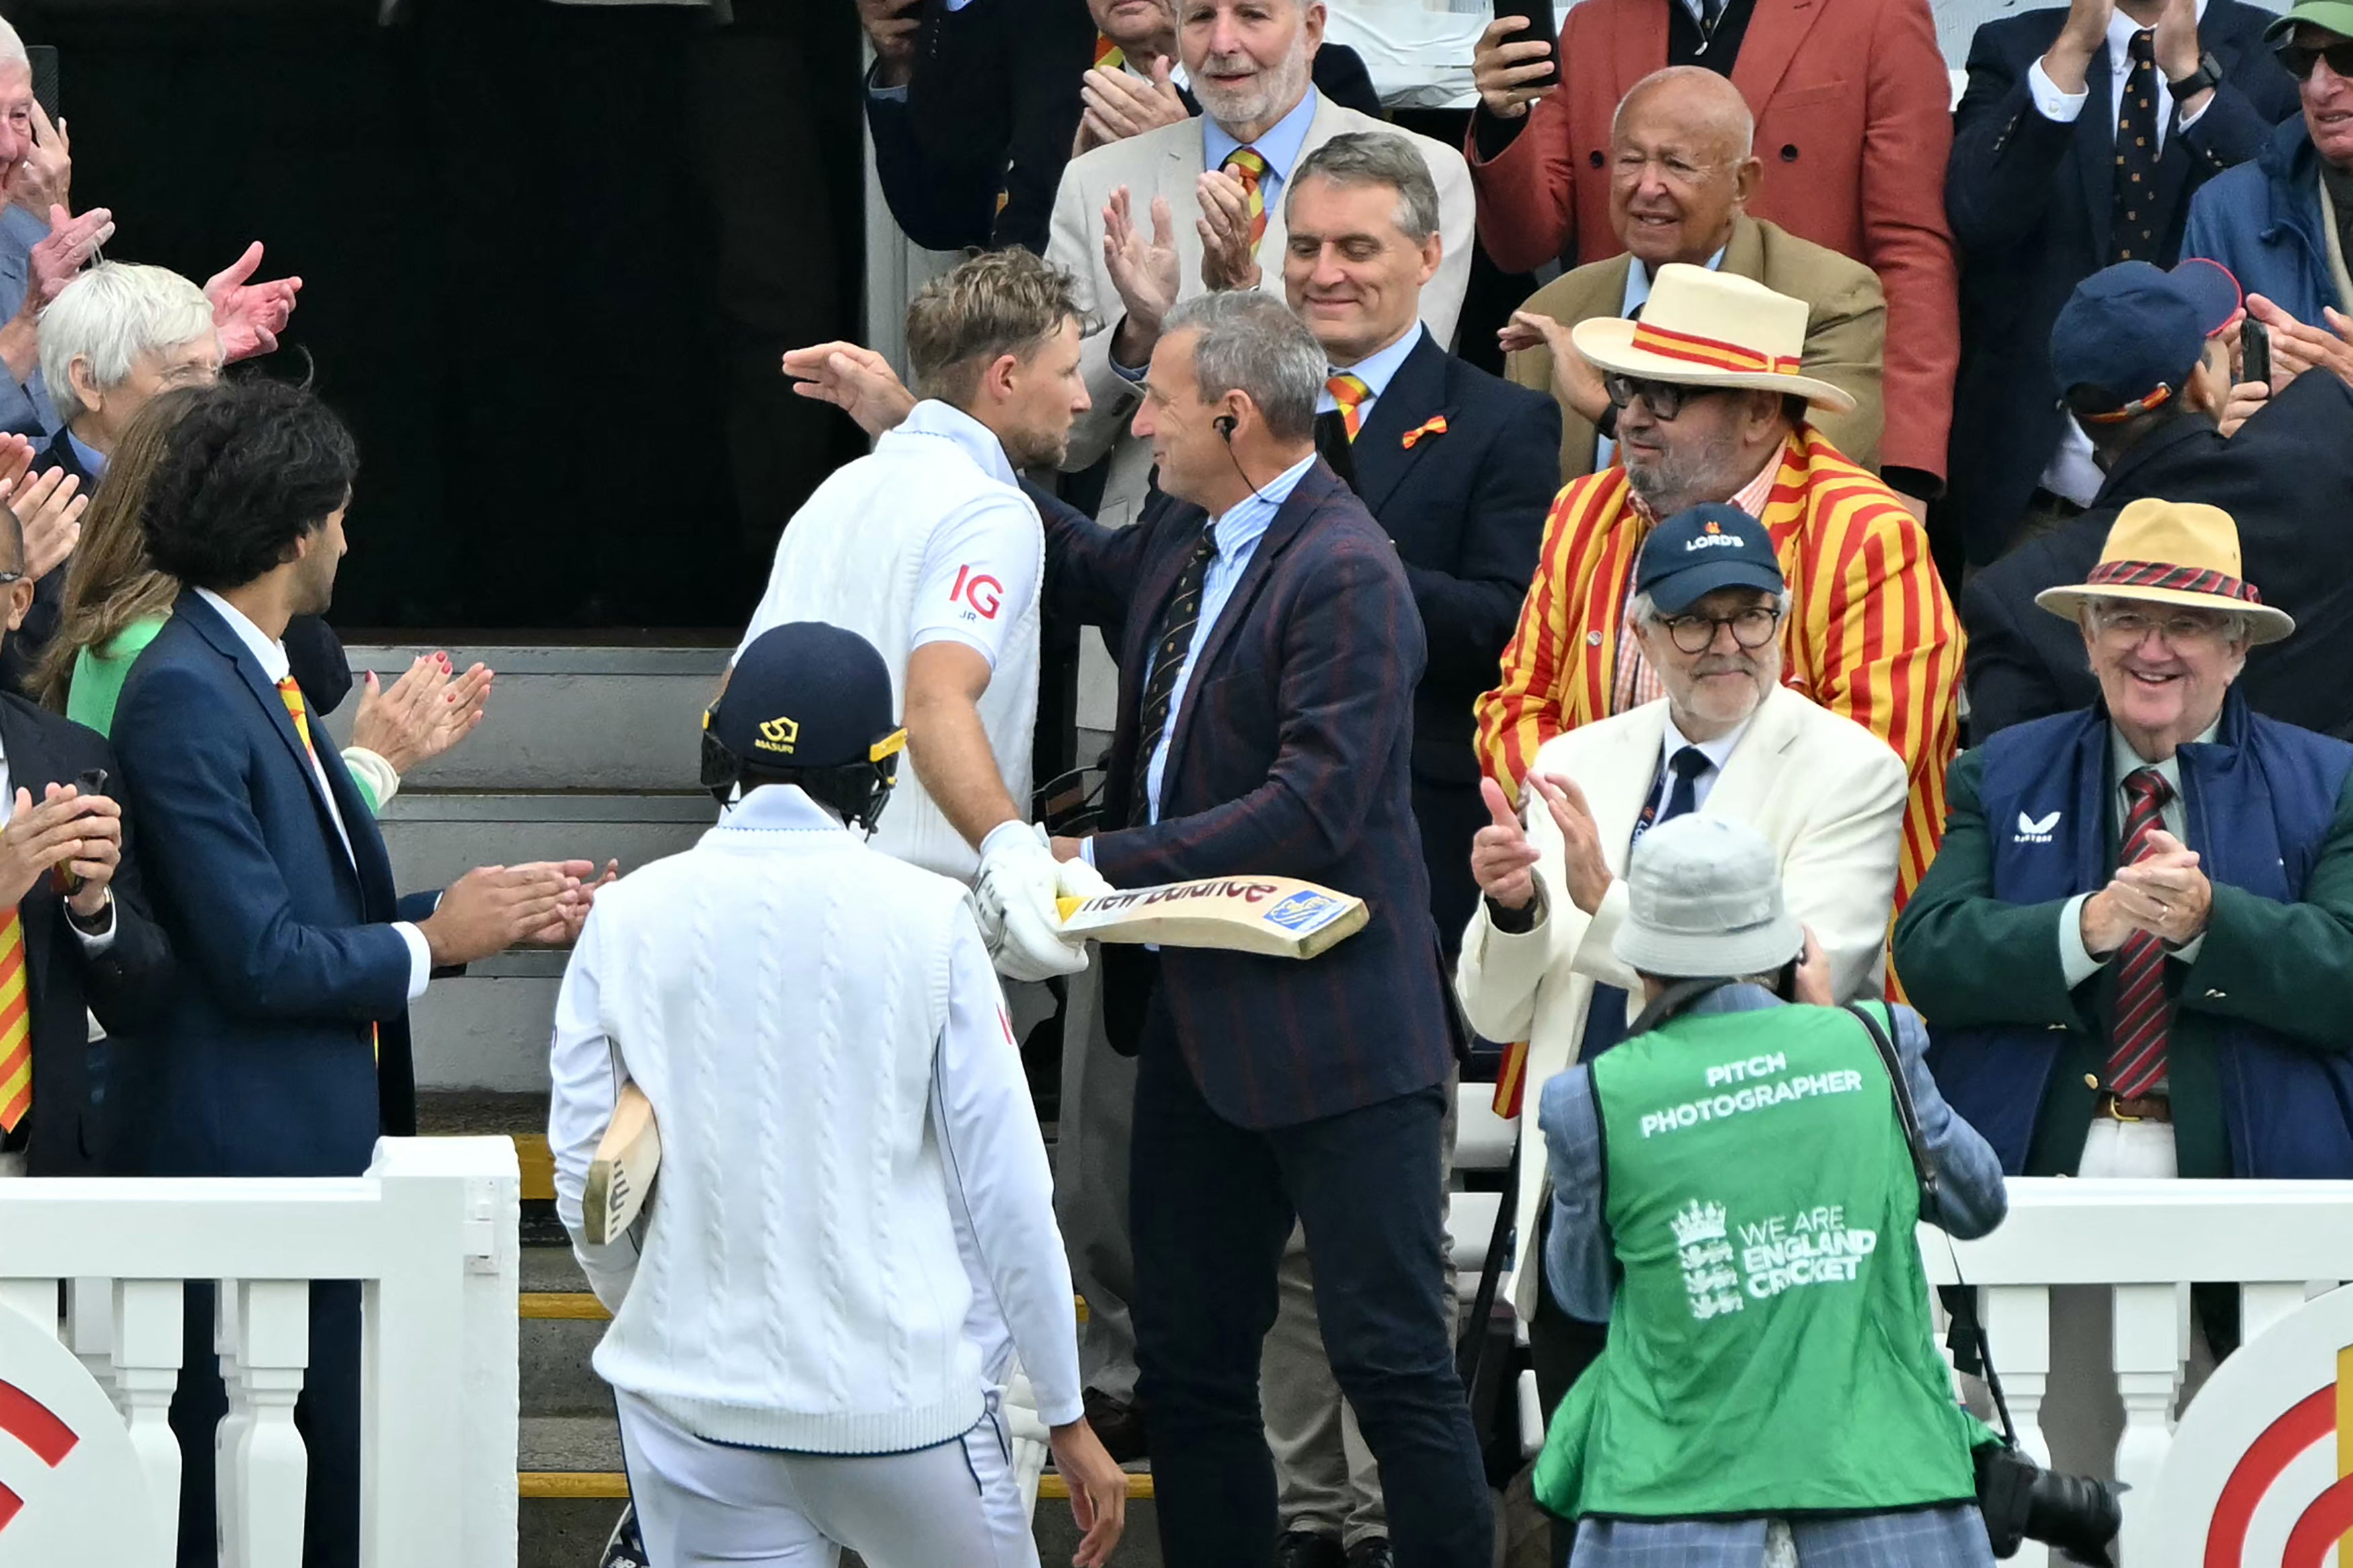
(1727, 740)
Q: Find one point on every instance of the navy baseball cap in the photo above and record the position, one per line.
(808, 695)
(1694, 552)
(2132, 329)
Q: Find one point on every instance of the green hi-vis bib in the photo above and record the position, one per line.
(1770, 1350)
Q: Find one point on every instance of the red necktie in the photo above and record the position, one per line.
(2144, 1015)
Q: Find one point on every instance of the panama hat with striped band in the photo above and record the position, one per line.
(1711, 329)
(2173, 553)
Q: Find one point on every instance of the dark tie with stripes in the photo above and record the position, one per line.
(2144, 1013)
(1605, 1015)
(1169, 650)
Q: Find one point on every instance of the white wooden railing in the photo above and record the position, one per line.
(429, 1233)
(2143, 1243)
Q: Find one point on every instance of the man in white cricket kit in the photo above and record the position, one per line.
(929, 550)
(849, 1166)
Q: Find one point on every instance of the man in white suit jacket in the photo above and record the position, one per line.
(1249, 62)
(1727, 740)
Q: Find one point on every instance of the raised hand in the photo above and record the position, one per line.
(1574, 380)
(1583, 866)
(1120, 105)
(1228, 259)
(49, 510)
(890, 26)
(1143, 270)
(2082, 36)
(53, 263)
(247, 315)
(492, 908)
(1503, 861)
(854, 379)
(44, 177)
(1502, 72)
(2177, 49)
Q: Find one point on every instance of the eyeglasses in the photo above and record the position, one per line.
(1751, 628)
(2130, 626)
(1666, 398)
(2299, 59)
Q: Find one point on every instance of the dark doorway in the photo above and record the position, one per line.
(550, 253)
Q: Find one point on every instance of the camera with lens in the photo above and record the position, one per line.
(2022, 1501)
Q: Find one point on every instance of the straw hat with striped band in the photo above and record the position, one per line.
(2172, 553)
(1711, 329)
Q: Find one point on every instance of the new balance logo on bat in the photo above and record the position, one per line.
(2031, 831)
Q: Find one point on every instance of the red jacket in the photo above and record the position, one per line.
(1854, 109)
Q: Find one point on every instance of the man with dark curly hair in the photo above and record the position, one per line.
(284, 1051)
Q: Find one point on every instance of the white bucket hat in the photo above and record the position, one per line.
(1711, 329)
(1704, 896)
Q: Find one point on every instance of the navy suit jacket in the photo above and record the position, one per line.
(2031, 203)
(2283, 479)
(263, 1066)
(1289, 757)
(1466, 509)
(128, 985)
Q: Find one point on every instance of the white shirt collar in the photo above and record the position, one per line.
(270, 652)
(2121, 29)
(1718, 752)
(933, 420)
(778, 808)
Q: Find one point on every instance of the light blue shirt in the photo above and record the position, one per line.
(92, 460)
(1280, 147)
(1376, 370)
(1638, 294)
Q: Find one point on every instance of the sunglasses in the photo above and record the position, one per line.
(1666, 398)
(2299, 59)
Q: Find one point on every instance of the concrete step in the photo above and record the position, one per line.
(584, 717)
(488, 1029)
(434, 837)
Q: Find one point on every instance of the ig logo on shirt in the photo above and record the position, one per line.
(983, 593)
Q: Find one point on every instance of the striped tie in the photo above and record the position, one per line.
(1168, 652)
(291, 694)
(2144, 1015)
(1245, 164)
(1109, 57)
(1349, 391)
(15, 1027)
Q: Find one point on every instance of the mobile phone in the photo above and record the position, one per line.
(2254, 352)
(88, 782)
(1541, 28)
(47, 79)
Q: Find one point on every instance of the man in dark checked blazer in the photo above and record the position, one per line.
(1269, 650)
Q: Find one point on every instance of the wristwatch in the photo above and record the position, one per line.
(97, 924)
(2208, 74)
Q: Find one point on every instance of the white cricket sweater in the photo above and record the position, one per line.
(854, 556)
(784, 996)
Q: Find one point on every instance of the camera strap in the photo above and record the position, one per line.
(1968, 1339)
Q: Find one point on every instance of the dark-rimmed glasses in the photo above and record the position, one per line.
(1751, 628)
(1666, 398)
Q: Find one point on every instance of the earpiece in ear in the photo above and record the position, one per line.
(1224, 425)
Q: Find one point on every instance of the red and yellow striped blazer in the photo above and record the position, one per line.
(1870, 633)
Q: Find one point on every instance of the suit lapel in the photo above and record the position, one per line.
(1328, 121)
(1623, 780)
(1416, 394)
(2095, 151)
(1774, 31)
(1754, 770)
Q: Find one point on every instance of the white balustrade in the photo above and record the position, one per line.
(2144, 1243)
(429, 1235)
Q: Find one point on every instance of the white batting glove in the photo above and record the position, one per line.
(1019, 880)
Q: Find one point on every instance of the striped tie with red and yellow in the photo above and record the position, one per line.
(1109, 57)
(1349, 391)
(1245, 164)
(15, 1025)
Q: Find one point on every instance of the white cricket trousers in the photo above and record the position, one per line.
(713, 1505)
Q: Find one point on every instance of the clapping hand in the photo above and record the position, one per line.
(1583, 866)
(2163, 892)
(49, 508)
(53, 263)
(249, 316)
(563, 930)
(421, 715)
(43, 178)
(856, 379)
(1144, 271)
(1229, 258)
(891, 27)
(1503, 861)
(2297, 347)
(1120, 105)
(492, 908)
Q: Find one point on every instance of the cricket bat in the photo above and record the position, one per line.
(1281, 917)
(621, 1176)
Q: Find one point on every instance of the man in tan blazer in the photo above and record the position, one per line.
(1683, 172)
(1727, 740)
(1219, 176)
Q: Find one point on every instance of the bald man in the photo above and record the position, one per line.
(1682, 171)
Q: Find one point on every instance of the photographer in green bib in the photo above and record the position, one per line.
(1734, 1192)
